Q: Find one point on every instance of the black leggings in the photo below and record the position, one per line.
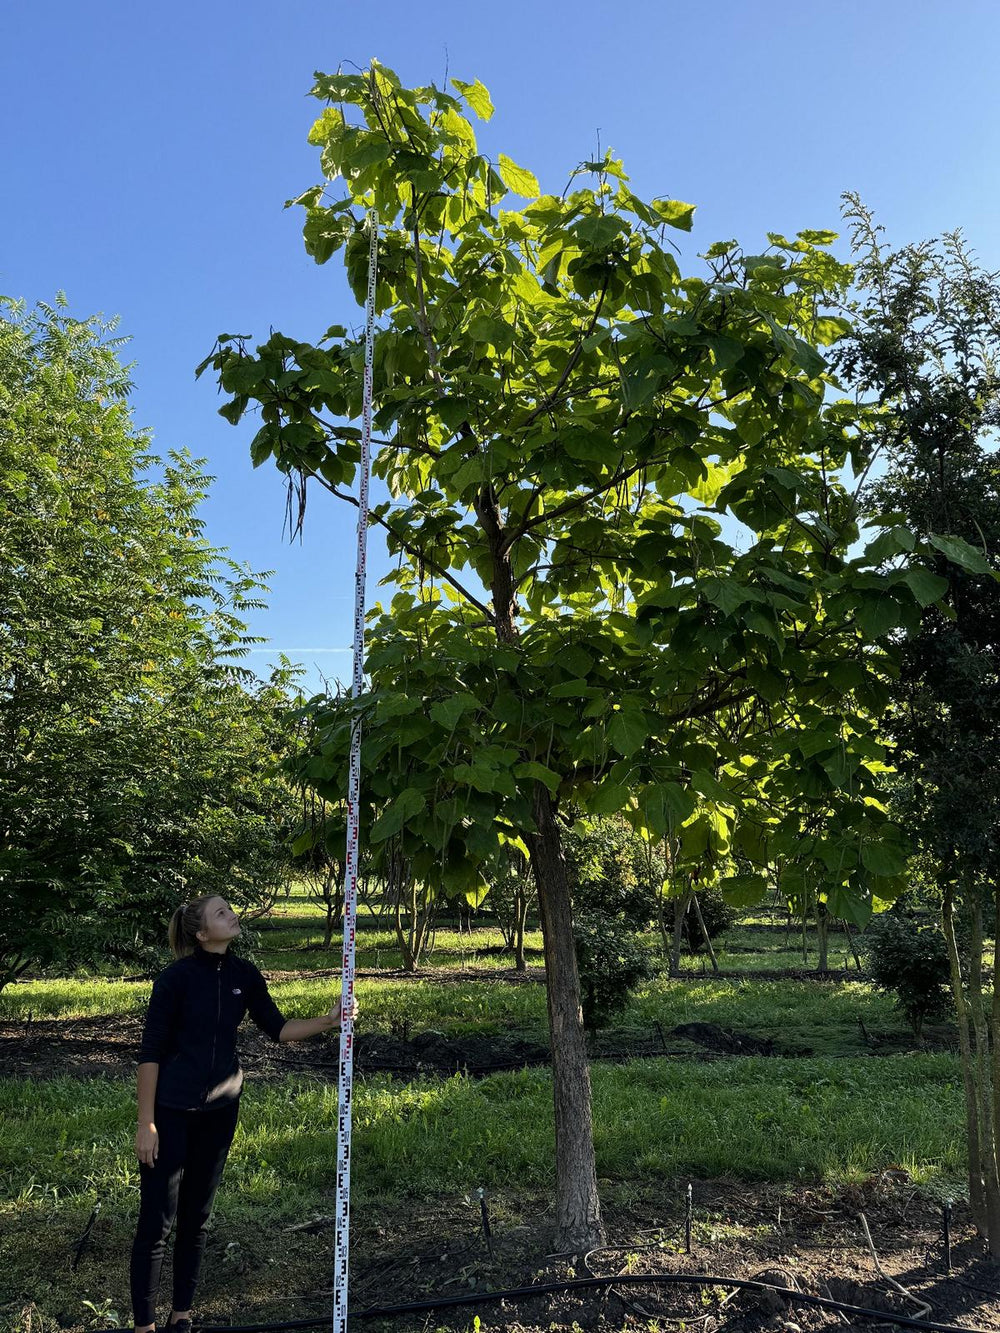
(181, 1184)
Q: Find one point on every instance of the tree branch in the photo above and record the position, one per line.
(578, 500)
(574, 357)
(410, 549)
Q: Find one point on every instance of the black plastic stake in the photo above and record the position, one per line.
(81, 1244)
(487, 1230)
(687, 1222)
(946, 1219)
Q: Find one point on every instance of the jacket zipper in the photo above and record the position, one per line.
(218, 1015)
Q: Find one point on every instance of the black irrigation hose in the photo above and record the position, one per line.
(588, 1283)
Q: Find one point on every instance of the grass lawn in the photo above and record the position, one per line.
(820, 1018)
(67, 1142)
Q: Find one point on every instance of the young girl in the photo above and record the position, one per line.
(189, 1086)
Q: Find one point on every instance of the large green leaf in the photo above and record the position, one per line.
(609, 798)
(407, 805)
(477, 96)
(538, 773)
(665, 806)
(925, 586)
(674, 213)
(744, 890)
(960, 553)
(627, 731)
(883, 858)
(518, 179)
(450, 711)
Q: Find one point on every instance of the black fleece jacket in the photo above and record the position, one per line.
(195, 1008)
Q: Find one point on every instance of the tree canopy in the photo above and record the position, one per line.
(616, 499)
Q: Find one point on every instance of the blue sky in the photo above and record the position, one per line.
(148, 149)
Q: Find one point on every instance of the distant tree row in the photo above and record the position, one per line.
(138, 761)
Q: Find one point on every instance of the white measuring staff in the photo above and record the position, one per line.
(343, 1211)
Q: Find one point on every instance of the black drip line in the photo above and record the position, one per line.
(590, 1283)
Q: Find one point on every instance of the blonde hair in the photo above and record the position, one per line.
(185, 924)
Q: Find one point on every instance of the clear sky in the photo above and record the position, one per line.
(147, 149)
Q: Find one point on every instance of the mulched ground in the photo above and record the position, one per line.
(811, 1239)
(88, 1047)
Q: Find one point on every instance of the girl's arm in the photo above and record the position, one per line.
(161, 1017)
(147, 1140)
(298, 1029)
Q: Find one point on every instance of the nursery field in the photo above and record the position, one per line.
(793, 1105)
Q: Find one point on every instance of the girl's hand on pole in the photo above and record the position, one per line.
(147, 1144)
(335, 1013)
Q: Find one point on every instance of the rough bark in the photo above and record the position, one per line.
(995, 1036)
(977, 1189)
(578, 1209)
(984, 1082)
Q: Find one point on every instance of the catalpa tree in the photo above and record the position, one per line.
(564, 420)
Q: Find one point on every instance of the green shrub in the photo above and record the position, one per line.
(911, 961)
(613, 871)
(612, 965)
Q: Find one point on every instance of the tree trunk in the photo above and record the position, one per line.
(681, 906)
(578, 1209)
(995, 1041)
(983, 1080)
(520, 919)
(853, 946)
(661, 921)
(822, 936)
(977, 1188)
(413, 911)
(333, 899)
(704, 932)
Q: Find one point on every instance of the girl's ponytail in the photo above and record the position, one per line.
(185, 924)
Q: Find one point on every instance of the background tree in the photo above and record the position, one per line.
(137, 763)
(927, 348)
(511, 895)
(612, 963)
(320, 837)
(565, 419)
